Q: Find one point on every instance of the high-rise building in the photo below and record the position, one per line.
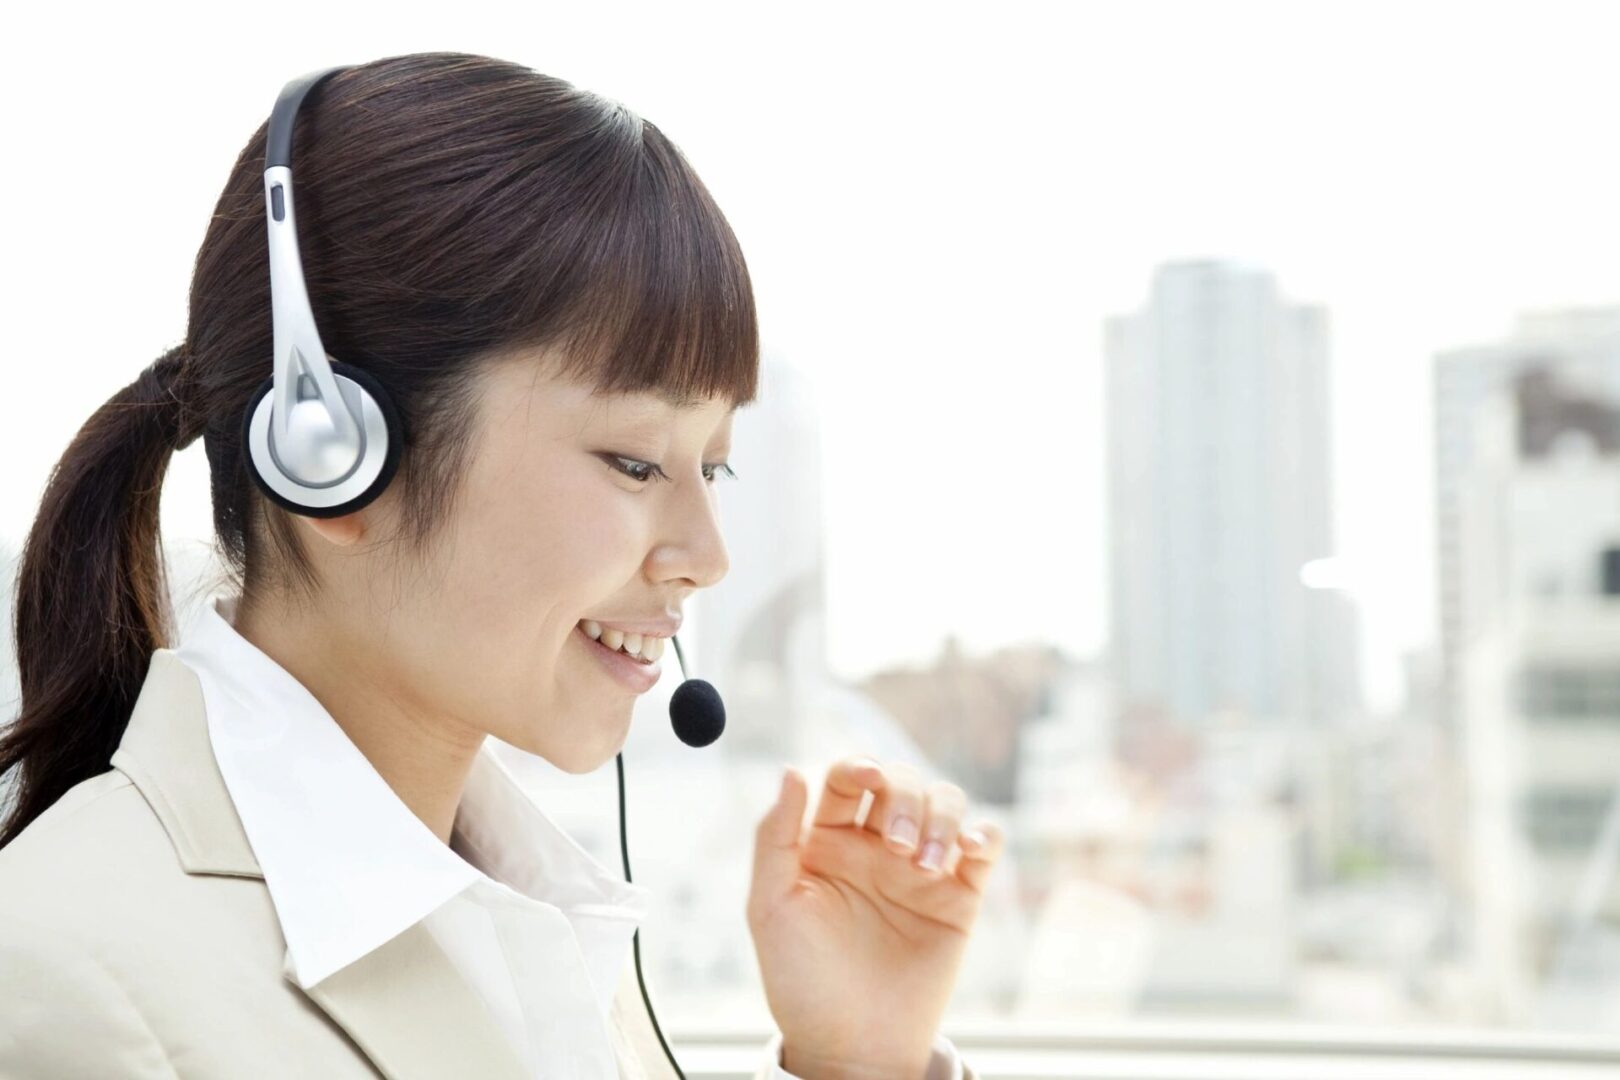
(1220, 492)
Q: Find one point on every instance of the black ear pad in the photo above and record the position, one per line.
(395, 449)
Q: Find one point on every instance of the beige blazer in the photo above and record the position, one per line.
(138, 940)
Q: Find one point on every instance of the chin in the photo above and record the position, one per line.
(580, 760)
(584, 764)
(582, 767)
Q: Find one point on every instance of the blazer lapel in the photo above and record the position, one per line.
(410, 1010)
(405, 1004)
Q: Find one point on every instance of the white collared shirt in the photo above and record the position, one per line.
(536, 924)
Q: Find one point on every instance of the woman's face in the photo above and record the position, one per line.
(547, 532)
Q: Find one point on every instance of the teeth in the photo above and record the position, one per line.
(644, 647)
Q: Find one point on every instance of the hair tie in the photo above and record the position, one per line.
(172, 373)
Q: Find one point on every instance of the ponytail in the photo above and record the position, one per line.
(92, 601)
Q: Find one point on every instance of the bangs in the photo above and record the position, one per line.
(664, 303)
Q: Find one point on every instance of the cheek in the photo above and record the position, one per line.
(549, 548)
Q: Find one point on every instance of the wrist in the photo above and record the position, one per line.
(813, 1066)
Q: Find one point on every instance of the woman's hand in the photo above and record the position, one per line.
(859, 944)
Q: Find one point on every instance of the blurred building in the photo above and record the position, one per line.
(1145, 897)
(1537, 541)
(1220, 491)
(1581, 343)
(966, 713)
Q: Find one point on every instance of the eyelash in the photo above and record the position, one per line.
(656, 472)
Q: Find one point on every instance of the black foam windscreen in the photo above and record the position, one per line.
(697, 713)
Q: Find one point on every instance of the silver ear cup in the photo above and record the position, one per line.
(315, 474)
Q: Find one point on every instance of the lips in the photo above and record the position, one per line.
(630, 672)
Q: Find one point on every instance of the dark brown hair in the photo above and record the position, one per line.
(452, 209)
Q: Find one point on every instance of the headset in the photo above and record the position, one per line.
(323, 439)
(322, 436)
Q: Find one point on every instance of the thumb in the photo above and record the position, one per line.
(776, 841)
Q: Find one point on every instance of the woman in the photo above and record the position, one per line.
(284, 847)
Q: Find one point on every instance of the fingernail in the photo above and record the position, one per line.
(903, 830)
(932, 856)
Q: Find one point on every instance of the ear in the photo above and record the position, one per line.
(341, 531)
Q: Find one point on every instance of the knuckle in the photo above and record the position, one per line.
(906, 775)
(903, 798)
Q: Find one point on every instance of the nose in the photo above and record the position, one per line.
(696, 549)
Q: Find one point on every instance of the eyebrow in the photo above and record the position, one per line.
(677, 401)
(680, 402)
(642, 404)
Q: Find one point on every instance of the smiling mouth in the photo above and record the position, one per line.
(645, 649)
(595, 644)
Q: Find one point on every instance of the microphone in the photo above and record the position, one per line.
(699, 716)
(695, 709)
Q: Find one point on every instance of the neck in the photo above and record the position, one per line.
(421, 756)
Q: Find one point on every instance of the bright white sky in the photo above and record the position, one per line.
(939, 205)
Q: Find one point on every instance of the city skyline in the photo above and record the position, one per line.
(951, 317)
(181, 501)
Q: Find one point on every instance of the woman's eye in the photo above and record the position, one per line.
(646, 470)
(636, 470)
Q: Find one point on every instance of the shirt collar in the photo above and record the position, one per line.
(346, 862)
